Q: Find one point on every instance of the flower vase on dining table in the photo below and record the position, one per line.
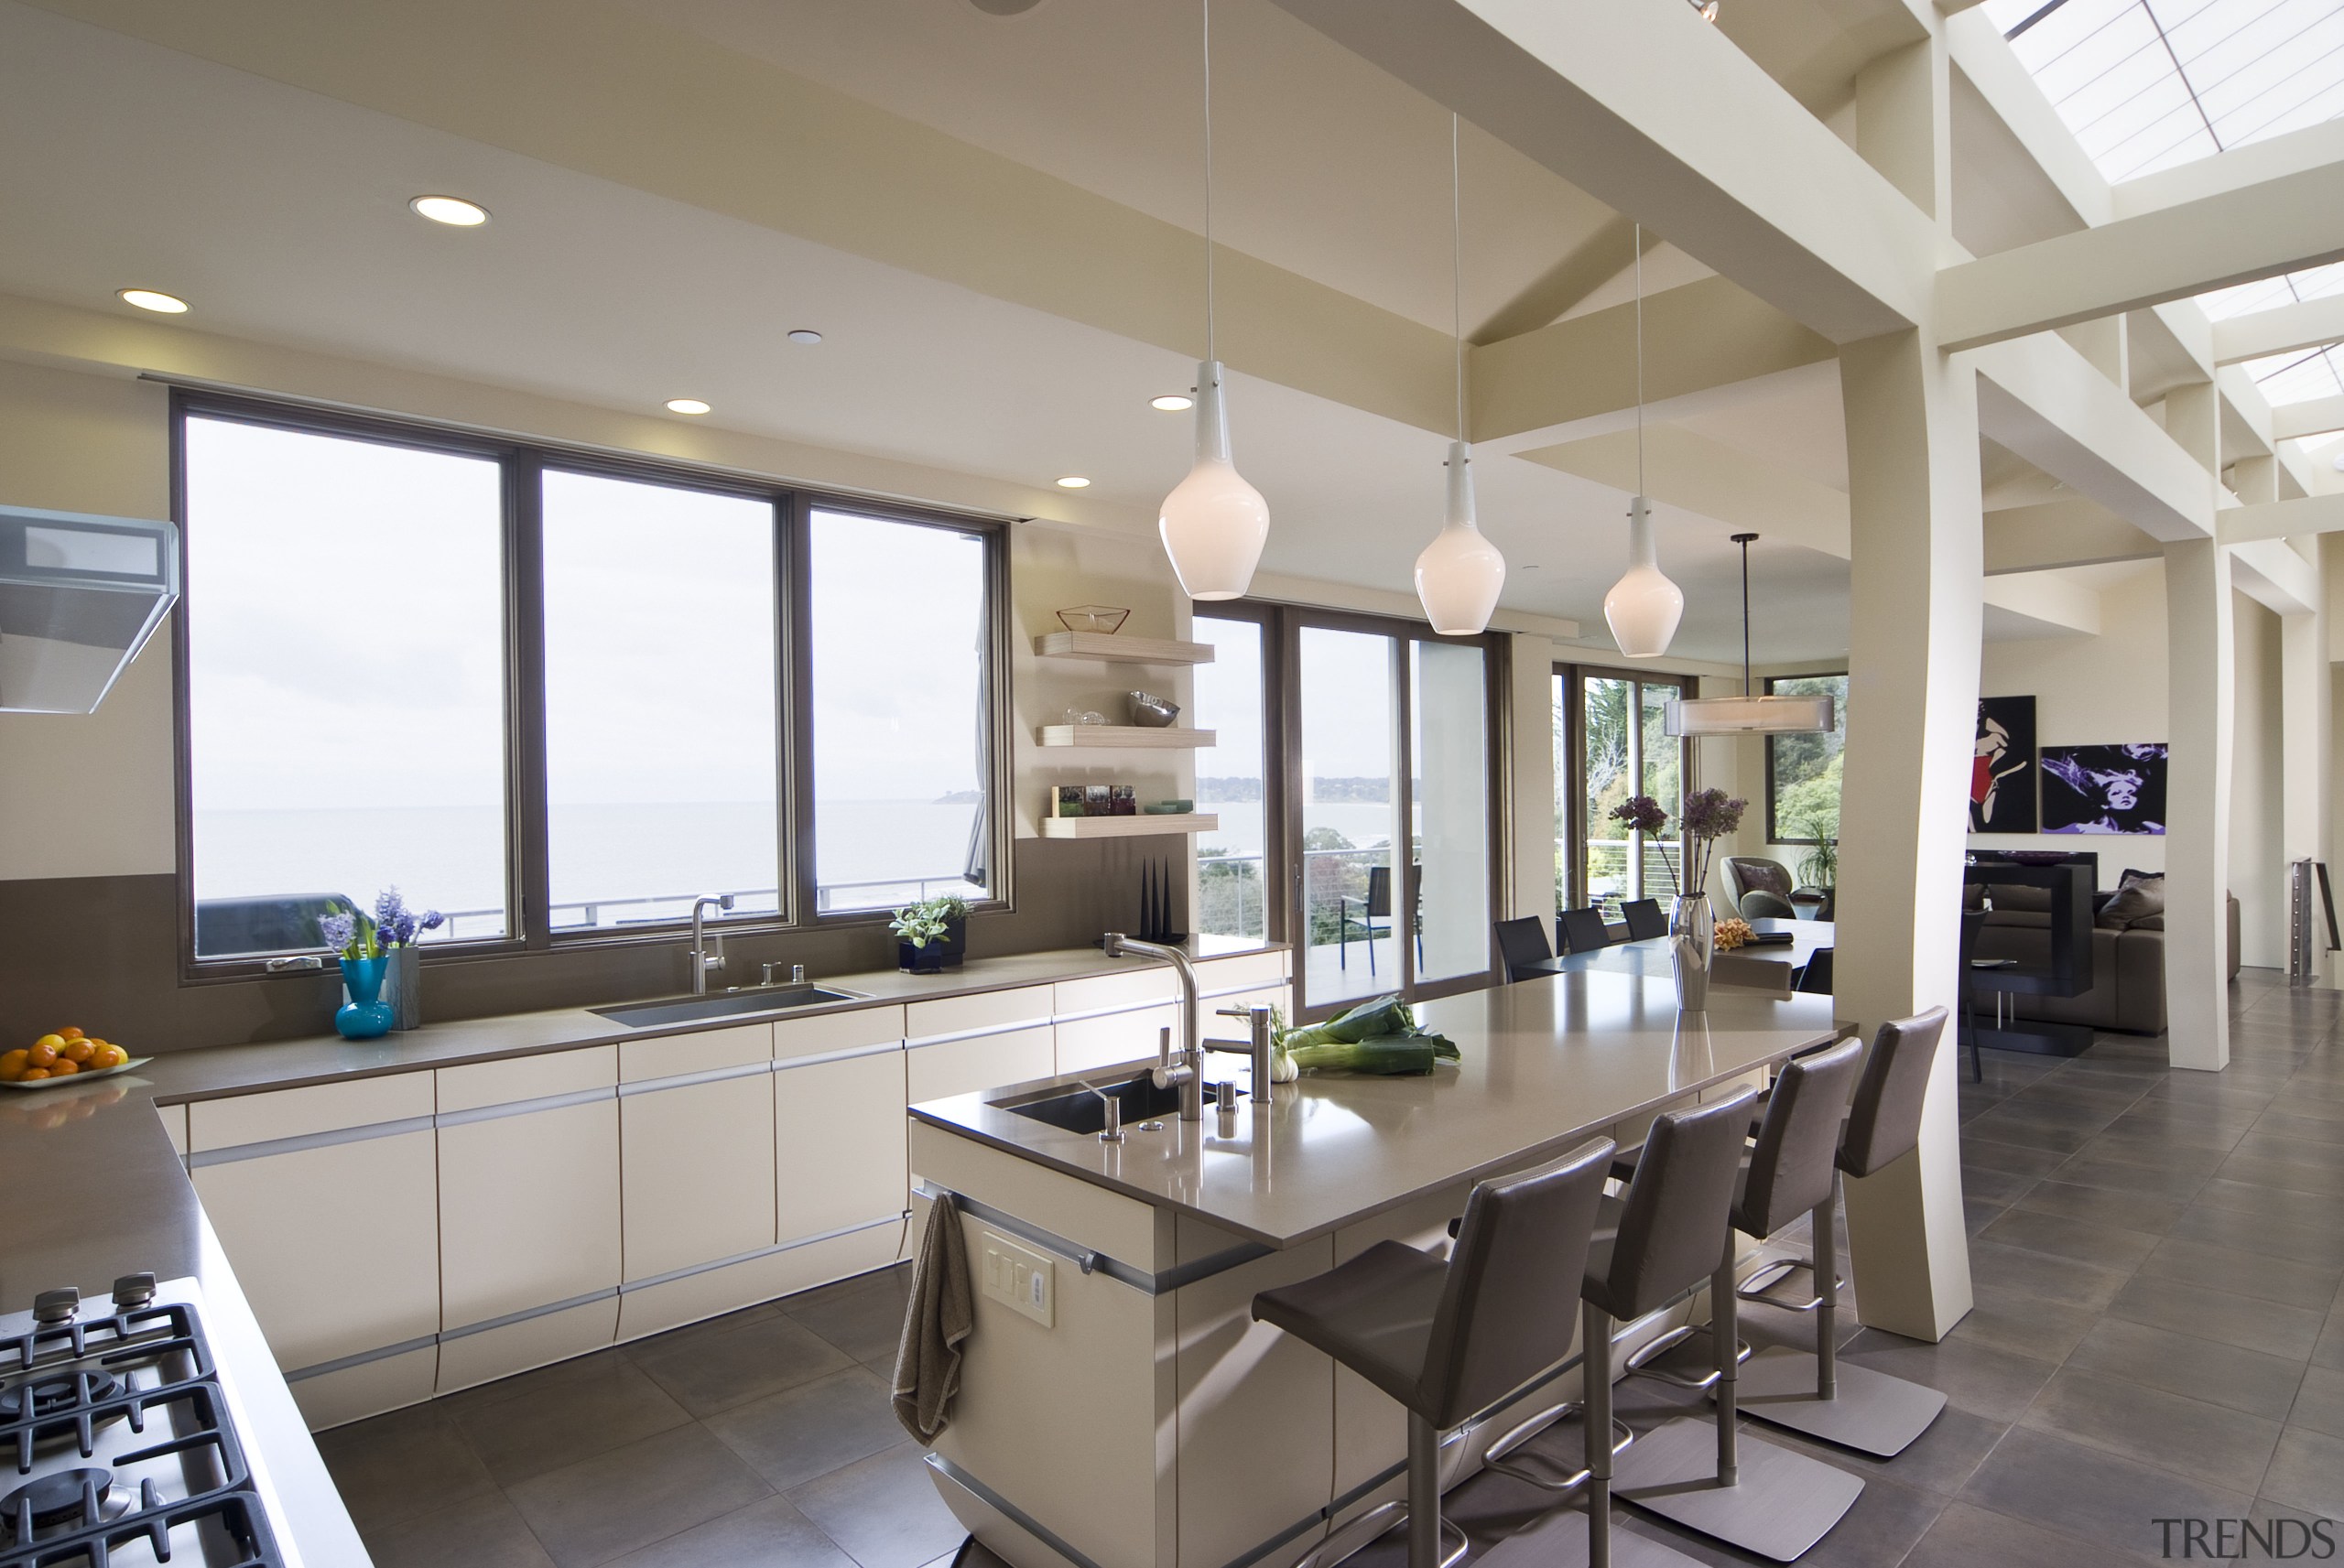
(366, 1016)
(1692, 939)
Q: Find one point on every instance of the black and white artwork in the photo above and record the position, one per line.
(2002, 770)
(2104, 789)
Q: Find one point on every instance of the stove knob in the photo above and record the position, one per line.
(133, 1290)
(57, 1305)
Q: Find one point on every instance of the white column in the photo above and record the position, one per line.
(1531, 778)
(1917, 576)
(2200, 684)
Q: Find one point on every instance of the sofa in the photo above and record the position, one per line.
(2127, 992)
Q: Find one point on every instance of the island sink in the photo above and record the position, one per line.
(730, 1004)
(1082, 1110)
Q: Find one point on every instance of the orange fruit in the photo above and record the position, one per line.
(109, 1056)
(32, 1073)
(77, 1052)
(70, 1033)
(14, 1061)
(64, 1067)
(43, 1053)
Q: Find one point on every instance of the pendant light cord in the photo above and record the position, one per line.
(1640, 358)
(1209, 353)
(1456, 268)
(1744, 540)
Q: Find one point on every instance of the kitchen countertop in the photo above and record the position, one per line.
(1547, 1065)
(216, 1071)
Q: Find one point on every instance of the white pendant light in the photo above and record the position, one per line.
(1460, 574)
(1644, 606)
(1748, 714)
(1213, 522)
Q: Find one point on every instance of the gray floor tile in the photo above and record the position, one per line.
(1887, 1520)
(485, 1530)
(767, 1534)
(2328, 1349)
(898, 1274)
(2268, 1327)
(2264, 1144)
(2050, 1135)
(793, 1436)
(2090, 1170)
(2054, 1279)
(1940, 1460)
(2308, 1472)
(2242, 1273)
(2294, 1123)
(2127, 1211)
(398, 1466)
(1985, 1154)
(2244, 1197)
(2023, 1325)
(2154, 1149)
(2086, 1492)
(2220, 1374)
(1993, 1186)
(1977, 1214)
(866, 1324)
(2077, 1240)
(884, 1511)
(2320, 1403)
(1968, 1537)
(716, 1371)
(2274, 1235)
(2222, 1447)
(2283, 1174)
(1979, 1379)
(570, 1412)
(617, 1502)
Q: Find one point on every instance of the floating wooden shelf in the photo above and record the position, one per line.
(1129, 826)
(1121, 650)
(1123, 736)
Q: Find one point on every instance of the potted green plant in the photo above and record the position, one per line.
(931, 934)
(1818, 870)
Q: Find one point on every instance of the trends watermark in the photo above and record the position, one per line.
(2238, 1540)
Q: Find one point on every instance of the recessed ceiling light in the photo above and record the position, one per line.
(686, 405)
(805, 335)
(1073, 482)
(154, 300)
(452, 211)
(1172, 403)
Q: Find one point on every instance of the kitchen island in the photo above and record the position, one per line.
(1120, 1408)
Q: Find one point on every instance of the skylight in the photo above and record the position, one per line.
(2146, 84)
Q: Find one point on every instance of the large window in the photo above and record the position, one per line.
(1611, 742)
(1803, 770)
(550, 698)
(1232, 861)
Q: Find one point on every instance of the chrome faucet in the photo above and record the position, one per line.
(706, 957)
(1188, 1072)
(1263, 1048)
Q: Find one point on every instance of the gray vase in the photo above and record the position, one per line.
(1692, 938)
(403, 988)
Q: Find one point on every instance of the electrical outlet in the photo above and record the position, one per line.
(1018, 1277)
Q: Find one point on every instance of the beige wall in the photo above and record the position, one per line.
(2258, 849)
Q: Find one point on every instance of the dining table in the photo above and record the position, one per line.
(1651, 956)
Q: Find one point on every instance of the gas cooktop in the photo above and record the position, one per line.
(121, 1449)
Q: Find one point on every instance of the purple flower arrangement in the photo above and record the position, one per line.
(358, 935)
(1642, 813)
(1708, 815)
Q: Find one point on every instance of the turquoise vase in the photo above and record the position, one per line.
(366, 1016)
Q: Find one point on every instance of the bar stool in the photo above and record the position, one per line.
(1759, 1497)
(1853, 1407)
(1450, 1340)
(1656, 1243)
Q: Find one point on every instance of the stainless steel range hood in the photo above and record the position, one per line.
(79, 597)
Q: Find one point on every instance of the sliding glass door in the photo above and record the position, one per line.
(1611, 742)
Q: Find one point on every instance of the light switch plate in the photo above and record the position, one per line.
(1018, 1277)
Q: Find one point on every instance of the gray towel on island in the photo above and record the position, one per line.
(942, 1315)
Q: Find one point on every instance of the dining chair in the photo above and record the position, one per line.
(1582, 930)
(1815, 979)
(1523, 943)
(1376, 905)
(1644, 919)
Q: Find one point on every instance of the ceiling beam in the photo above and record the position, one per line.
(2314, 416)
(2045, 402)
(2307, 325)
(2232, 236)
(1979, 54)
(1578, 375)
(1684, 470)
(1587, 266)
(2054, 602)
(1654, 113)
(2283, 519)
(2270, 572)
(2062, 533)
(629, 98)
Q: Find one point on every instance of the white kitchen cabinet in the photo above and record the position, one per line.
(979, 1062)
(528, 1186)
(841, 1159)
(696, 1136)
(325, 1201)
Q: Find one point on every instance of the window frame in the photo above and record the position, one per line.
(1773, 836)
(527, 868)
(1580, 830)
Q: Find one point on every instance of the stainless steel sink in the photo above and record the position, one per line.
(730, 1004)
(1079, 1110)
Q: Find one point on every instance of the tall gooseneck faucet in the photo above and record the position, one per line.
(1188, 1072)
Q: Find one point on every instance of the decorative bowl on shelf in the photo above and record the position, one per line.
(1169, 808)
(1104, 619)
(1152, 712)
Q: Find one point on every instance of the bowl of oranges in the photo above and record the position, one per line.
(66, 1055)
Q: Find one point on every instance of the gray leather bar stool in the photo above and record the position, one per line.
(1853, 1406)
(1756, 1496)
(1653, 1244)
(1450, 1340)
